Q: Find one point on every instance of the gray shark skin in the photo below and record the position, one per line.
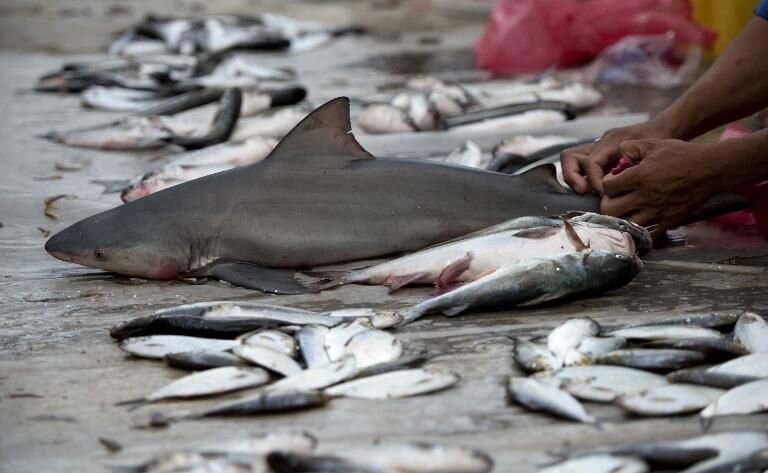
(318, 198)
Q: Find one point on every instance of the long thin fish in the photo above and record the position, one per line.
(600, 383)
(318, 378)
(704, 377)
(158, 346)
(661, 332)
(202, 360)
(651, 358)
(396, 384)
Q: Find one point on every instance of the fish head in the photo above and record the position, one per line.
(616, 269)
(604, 238)
(114, 241)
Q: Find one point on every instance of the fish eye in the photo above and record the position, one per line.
(99, 254)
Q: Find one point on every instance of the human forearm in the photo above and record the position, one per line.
(735, 86)
(740, 162)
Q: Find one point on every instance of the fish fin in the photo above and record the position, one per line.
(537, 233)
(546, 177)
(570, 232)
(340, 280)
(322, 135)
(254, 276)
(396, 282)
(455, 269)
(455, 310)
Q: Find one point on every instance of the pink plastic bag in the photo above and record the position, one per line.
(532, 35)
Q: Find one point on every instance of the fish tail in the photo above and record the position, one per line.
(330, 279)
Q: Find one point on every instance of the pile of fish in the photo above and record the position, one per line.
(427, 104)
(710, 364)
(291, 358)
(723, 452)
(298, 452)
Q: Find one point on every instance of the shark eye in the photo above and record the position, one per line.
(99, 254)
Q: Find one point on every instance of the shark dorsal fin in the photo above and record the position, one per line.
(545, 176)
(324, 133)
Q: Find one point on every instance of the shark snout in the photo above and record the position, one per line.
(65, 245)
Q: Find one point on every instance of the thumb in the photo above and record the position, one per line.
(636, 150)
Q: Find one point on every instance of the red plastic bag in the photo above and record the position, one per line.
(532, 35)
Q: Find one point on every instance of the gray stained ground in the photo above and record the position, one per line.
(60, 373)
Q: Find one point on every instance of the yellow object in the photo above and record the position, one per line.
(727, 17)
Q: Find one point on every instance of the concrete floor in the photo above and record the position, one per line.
(60, 373)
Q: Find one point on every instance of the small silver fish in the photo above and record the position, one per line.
(751, 330)
(570, 334)
(336, 339)
(268, 358)
(651, 358)
(755, 365)
(318, 378)
(157, 346)
(661, 332)
(536, 395)
(705, 345)
(749, 398)
(697, 319)
(311, 340)
(704, 377)
(210, 382)
(590, 347)
(534, 357)
(396, 384)
(372, 347)
(666, 400)
(276, 340)
(601, 383)
(202, 360)
(599, 463)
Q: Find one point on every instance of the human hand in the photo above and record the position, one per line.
(585, 166)
(670, 181)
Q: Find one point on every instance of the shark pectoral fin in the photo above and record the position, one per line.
(449, 275)
(253, 276)
(545, 177)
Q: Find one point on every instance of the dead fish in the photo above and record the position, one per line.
(534, 357)
(640, 235)
(713, 319)
(189, 462)
(268, 358)
(570, 334)
(157, 346)
(662, 332)
(651, 358)
(519, 151)
(262, 444)
(402, 363)
(515, 123)
(269, 125)
(600, 383)
(118, 99)
(748, 398)
(311, 340)
(532, 281)
(372, 347)
(209, 382)
(538, 396)
(666, 400)
(751, 330)
(290, 315)
(379, 318)
(396, 384)
(273, 339)
(202, 360)
(336, 339)
(416, 457)
(706, 345)
(384, 118)
(591, 347)
(755, 365)
(704, 377)
(318, 378)
(262, 402)
(468, 154)
(132, 133)
(599, 463)
(468, 259)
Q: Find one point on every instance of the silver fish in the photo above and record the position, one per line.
(755, 365)
(651, 358)
(705, 345)
(538, 396)
(118, 99)
(533, 281)
(704, 377)
(396, 384)
(278, 341)
(661, 332)
(570, 334)
(336, 339)
(534, 357)
(599, 463)
(311, 340)
(666, 400)
(413, 361)
(268, 358)
(590, 347)
(384, 118)
(372, 347)
(752, 331)
(318, 378)
(601, 383)
(748, 398)
(698, 319)
(379, 318)
(209, 382)
(132, 133)
(157, 346)
(202, 360)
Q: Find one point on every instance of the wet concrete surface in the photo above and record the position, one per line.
(61, 374)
